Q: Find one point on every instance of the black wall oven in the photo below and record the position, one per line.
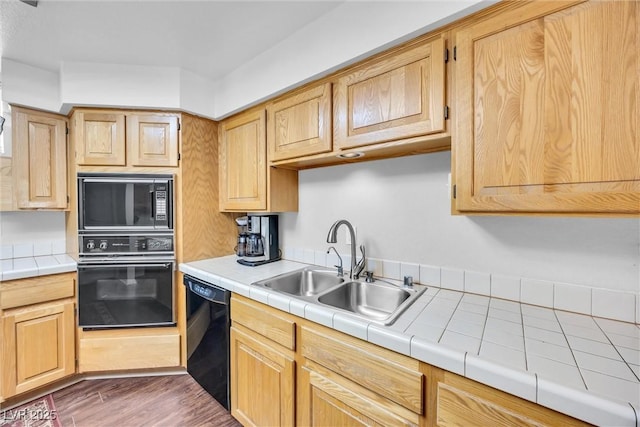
(126, 294)
(126, 262)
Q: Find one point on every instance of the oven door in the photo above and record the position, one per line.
(109, 203)
(122, 295)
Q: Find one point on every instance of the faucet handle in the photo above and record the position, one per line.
(369, 277)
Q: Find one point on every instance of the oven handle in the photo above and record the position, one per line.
(119, 180)
(106, 264)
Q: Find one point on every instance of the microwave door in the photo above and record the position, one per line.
(116, 204)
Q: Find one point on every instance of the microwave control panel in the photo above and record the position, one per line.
(161, 244)
(161, 202)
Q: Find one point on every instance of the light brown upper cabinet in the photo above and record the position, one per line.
(548, 110)
(397, 96)
(300, 124)
(100, 138)
(246, 182)
(152, 139)
(39, 159)
(116, 138)
(243, 162)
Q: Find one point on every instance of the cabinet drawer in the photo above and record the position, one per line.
(265, 321)
(461, 401)
(127, 349)
(389, 374)
(18, 293)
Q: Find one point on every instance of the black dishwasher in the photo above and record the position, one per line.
(208, 322)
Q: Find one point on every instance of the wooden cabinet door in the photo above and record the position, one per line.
(300, 125)
(262, 382)
(399, 96)
(548, 109)
(40, 159)
(38, 346)
(152, 140)
(99, 138)
(243, 167)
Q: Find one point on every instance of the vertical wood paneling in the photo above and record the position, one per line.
(205, 232)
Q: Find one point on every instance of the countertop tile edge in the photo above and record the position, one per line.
(585, 405)
(518, 383)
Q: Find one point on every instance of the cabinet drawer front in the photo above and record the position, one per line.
(387, 373)
(115, 350)
(18, 293)
(460, 401)
(264, 322)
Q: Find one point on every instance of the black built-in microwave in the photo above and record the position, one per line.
(125, 202)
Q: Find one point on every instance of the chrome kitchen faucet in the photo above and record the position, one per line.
(332, 237)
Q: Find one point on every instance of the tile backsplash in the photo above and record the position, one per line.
(33, 249)
(598, 302)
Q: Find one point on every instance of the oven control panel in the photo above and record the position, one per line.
(157, 244)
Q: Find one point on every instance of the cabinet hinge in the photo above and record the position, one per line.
(455, 56)
(68, 200)
(178, 156)
(67, 129)
(454, 191)
(178, 124)
(446, 56)
(446, 112)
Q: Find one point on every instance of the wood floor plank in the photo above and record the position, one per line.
(173, 400)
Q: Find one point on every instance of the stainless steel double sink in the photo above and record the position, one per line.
(380, 301)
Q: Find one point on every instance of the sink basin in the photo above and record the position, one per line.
(373, 301)
(306, 282)
(380, 302)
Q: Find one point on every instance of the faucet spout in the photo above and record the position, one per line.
(332, 237)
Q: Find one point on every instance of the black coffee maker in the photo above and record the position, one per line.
(258, 240)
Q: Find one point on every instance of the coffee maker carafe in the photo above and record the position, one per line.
(261, 240)
(241, 245)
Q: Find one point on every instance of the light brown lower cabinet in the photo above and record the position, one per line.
(38, 346)
(37, 321)
(286, 370)
(262, 381)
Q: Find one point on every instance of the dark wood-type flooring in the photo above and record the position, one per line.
(172, 401)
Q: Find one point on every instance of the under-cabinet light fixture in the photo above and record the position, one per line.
(352, 155)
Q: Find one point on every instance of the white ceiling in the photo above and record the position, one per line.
(210, 38)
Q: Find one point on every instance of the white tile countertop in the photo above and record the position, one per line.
(21, 268)
(580, 365)
(30, 259)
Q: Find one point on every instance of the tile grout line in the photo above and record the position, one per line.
(616, 349)
(524, 345)
(571, 350)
